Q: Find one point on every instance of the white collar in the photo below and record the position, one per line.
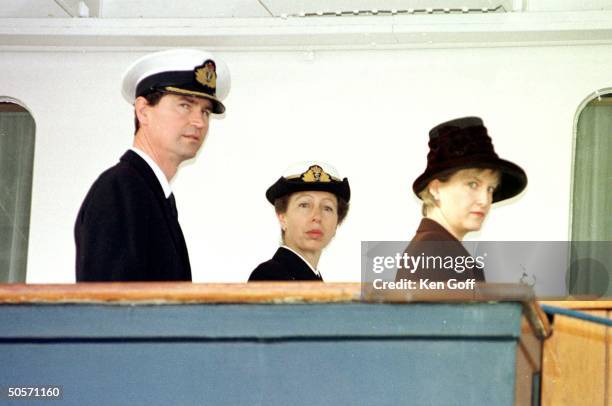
(163, 181)
(302, 258)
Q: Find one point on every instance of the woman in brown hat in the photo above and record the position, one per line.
(310, 201)
(464, 176)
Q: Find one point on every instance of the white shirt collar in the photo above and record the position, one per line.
(163, 181)
(302, 258)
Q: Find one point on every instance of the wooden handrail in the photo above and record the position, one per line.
(259, 292)
(265, 292)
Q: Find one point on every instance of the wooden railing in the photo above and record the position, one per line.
(573, 356)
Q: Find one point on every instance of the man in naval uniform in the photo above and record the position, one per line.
(127, 228)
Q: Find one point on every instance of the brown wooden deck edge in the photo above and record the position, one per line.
(262, 292)
(265, 292)
(178, 292)
(580, 304)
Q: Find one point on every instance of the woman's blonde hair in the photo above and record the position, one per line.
(429, 201)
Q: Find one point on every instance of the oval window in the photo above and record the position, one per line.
(591, 224)
(17, 131)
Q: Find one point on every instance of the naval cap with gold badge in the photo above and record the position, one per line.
(318, 176)
(189, 72)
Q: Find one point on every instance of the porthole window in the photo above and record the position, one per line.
(17, 132)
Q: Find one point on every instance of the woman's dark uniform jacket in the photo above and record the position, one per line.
(285, 265)
(433, 240)
(127, 230)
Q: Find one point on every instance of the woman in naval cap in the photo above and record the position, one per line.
(310, 201)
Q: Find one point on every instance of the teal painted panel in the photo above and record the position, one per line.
(260, 321)
(342, 372)
(254, 354)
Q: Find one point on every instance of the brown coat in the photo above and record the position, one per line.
(435, 244)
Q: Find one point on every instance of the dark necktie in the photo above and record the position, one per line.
(172, 204)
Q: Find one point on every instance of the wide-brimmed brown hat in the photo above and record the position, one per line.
(464, 143)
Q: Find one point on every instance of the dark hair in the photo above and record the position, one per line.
(152, 99)
(280, 206)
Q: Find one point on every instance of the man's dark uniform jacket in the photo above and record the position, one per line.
(431, 239)
(127, 230)
(285, 265)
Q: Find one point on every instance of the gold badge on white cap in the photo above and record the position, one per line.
(206, 74)
(315, 174)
